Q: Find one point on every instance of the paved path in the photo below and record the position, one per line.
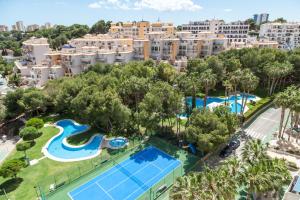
(6, 148)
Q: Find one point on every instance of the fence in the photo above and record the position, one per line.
(163, 185)
(53, 184)
(57, 186)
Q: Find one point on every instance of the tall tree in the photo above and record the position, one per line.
(276, 72)
(208, 81)
(234, 79)
(249, 83)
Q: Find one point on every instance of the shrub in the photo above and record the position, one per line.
(30, 133)
(35, 122)
(11, 168)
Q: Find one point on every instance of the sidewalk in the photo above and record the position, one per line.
(6, 148)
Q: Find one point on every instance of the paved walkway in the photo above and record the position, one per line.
(6, 148)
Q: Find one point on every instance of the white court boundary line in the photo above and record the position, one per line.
(151, 180)
(104, 190)
(129, 177)
(115, 170)
(144, 184)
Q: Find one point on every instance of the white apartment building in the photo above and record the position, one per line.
(3, 28)
(286, 34)
(20, 26)
(47, 25)
(261, 18)
(34, 67)
(234, 31)
(33, 27)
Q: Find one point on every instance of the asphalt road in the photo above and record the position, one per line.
(263, 128)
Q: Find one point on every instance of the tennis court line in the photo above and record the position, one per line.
(160, 169)
(127, 177)
(151, 180)
(104, 191)
(113, 171)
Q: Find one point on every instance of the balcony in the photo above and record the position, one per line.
(101, 59)
(85, 59)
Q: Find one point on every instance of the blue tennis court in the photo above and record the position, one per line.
(129, 179)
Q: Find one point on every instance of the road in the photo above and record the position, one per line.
(263, 128)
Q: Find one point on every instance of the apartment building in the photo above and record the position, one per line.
(138, 30)
(20, 26)
(261, 18)
(34, 68)
(40, 63)
(33, 27)
(234, 31)
(286, 34)
(3, 28)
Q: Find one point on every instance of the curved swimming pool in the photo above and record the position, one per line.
(230, 100)
(58, 149)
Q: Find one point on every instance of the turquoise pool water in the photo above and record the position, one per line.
(231, 100)
(118, 142)
(60, 151)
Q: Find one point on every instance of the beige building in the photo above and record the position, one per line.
(3, 28)
(33, 27)
(131, 41)
(34, 68)
(138, 30)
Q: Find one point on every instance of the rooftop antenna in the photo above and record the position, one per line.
(158, 20)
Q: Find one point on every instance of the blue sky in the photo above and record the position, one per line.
(178, 11)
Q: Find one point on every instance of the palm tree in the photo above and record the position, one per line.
(249, 83)
(253, 151)
(232, 165)
(255, 178)
(208, 81)
(234, 79)
(282, 100)
(228, 89)
(276, 72)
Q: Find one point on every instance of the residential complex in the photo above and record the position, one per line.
(32, 27)
(19, 26)
(157, 41)
(234, 31)
(132, 41)
(3, 28)
(138, 30)
(261, 18)
(286, 34)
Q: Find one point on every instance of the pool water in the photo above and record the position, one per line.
(58, 149)
(118, 142)
(230, 100)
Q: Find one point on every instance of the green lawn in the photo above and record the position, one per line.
(259, 105)
(47, 171)
(31, 175)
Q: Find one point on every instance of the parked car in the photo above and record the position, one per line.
(225, 152)
(229, 148)
(234, 144)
